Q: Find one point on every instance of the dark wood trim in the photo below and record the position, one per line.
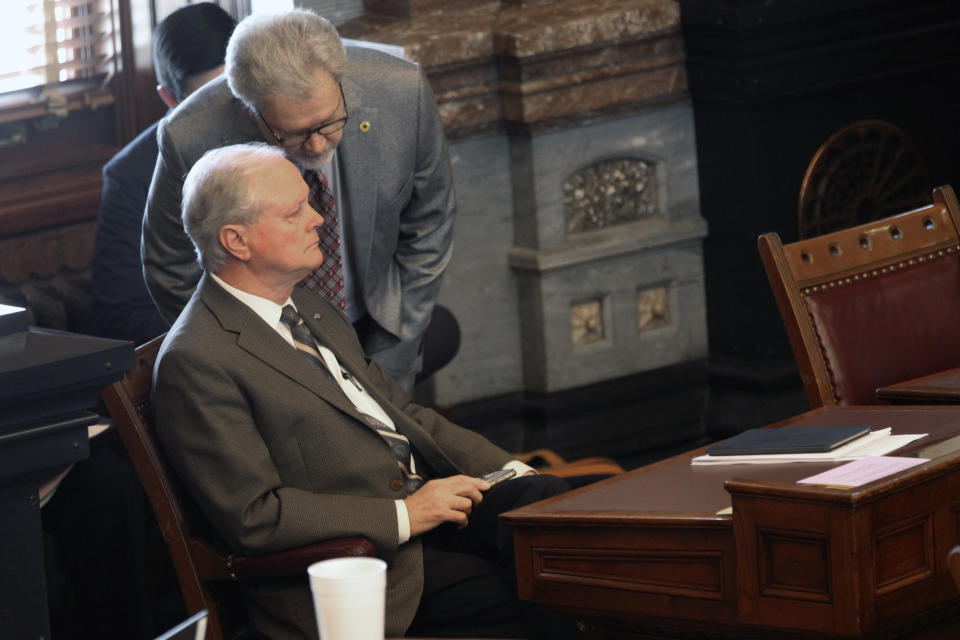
(51, 199)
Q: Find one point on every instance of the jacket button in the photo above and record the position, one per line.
(396, 485)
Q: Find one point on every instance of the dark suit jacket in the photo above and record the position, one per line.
(397, 180)
(125, 310)
(275, 454)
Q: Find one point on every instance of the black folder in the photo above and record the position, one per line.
(788, 440)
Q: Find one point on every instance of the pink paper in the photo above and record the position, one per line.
(862, 471)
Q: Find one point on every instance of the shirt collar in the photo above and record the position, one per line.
(268, 310)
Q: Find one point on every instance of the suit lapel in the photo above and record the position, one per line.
(358, 154)
(265, 344)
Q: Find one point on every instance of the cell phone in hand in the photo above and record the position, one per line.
(500, 475)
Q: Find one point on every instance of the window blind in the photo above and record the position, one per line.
(49, 42)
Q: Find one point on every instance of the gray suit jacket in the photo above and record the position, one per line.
(398, 184)
(276, 456)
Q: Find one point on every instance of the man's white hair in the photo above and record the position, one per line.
(217, 192)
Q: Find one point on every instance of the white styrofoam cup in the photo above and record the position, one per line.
(348, 598)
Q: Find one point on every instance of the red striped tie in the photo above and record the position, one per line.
(327, 280)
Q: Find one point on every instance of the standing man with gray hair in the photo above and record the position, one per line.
(363, 128)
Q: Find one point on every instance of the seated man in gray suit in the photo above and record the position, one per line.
(363, 128)
(286, 434)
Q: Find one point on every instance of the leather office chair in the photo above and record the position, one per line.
(871, 305)
(204, 570)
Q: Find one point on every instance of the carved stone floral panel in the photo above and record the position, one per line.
(609, 193)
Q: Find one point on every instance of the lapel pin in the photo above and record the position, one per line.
(316, 316)
(365, 126)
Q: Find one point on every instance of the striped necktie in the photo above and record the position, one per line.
(327, 280)
(398, 443)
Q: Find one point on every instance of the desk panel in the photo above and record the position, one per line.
(649, 546)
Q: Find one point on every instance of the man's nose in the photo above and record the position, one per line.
(316, 143)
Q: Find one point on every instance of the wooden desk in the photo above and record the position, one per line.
(937, 388)
(646, 553)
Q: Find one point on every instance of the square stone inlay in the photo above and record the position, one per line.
(586, 322)
(653, 308)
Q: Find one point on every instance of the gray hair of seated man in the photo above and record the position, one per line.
(217, 192)
(276, 55)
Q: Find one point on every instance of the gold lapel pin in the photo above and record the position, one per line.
(365, 126)
(316, 316)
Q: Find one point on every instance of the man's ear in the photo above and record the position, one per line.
(166, 96)
(233, 239)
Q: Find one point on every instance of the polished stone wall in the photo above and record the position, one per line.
(620, 294)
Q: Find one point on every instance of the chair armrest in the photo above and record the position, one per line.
(597, 468)
(293, 561)
(548, 461)
(215, 565)
(541, 458)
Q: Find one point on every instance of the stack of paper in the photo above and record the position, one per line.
(875, 443)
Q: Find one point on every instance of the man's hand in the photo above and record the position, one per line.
(443, 500)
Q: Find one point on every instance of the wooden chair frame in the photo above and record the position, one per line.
(198, 561)
(953, 561)
(799, 268)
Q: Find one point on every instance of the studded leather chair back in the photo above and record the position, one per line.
(871, 305)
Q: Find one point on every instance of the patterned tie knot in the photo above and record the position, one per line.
(302, 338)
(289, 316)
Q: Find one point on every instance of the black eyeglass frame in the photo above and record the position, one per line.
(325, 129)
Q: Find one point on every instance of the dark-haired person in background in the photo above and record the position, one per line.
(188, 50)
